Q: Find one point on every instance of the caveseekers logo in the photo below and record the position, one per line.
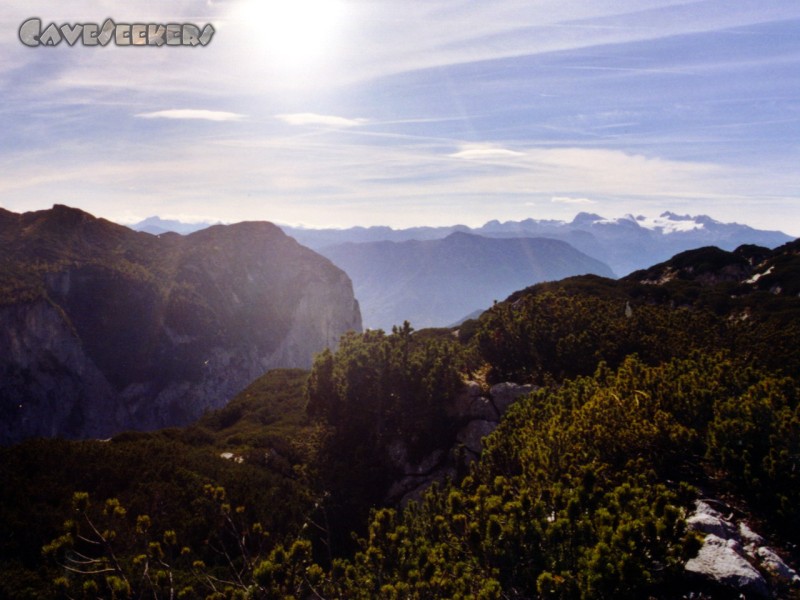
(122, 34)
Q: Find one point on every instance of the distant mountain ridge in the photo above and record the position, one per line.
(104, 329)
(393, 283)
(438, 282)
(156, 226)
(625, 244)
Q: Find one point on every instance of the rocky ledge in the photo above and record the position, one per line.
(734, 560)
(477, 414)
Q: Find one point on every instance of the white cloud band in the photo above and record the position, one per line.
(315, 119)
(189, 113)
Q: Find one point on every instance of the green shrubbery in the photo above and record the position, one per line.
(581, 492)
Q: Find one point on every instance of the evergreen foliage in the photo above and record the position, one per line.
(376, 391)
(649, 394)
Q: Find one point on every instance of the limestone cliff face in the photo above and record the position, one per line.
(48, 386)
(317, 319)
(104, 329)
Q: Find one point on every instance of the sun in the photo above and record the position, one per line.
(293, 34)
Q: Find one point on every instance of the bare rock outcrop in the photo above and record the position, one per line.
(476, 414)
(734, 559)
(720, 561)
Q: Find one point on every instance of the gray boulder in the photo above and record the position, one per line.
(477, 414)
(472, 435)
(504, 394)
(736, 557)
(719, 562)
(470, 405)
(707, 520)
(748, 536)
(774, 564)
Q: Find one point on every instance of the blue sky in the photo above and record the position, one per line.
(333, 113)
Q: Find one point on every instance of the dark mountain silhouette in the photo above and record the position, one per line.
(103, 328)
(752, 284)
(753, 268)
(438, 282)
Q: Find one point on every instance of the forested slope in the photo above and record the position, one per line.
(670, 386)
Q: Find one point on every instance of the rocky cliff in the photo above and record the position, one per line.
(104, 329)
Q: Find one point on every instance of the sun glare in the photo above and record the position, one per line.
(294, 34)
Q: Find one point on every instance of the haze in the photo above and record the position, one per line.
(348, 112)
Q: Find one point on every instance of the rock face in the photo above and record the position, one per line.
(477, 415)
(734, 559)
(480, 414)
(721, 561)
(104, 329)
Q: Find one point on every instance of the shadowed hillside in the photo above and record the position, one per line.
(438, 282)
(104, 328)
(586, 438)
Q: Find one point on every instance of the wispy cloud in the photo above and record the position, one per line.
(485, 152)
(315, 119)
(519, 28)
(350, 181)
(570, 200)
(190, 113)
(479, 110)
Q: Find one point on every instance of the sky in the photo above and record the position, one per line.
(334, 113)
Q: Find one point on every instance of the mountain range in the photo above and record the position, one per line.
(156, 226)
(589, 437)
(436, 276)
(439, 282)
(103, 328)
(625, 244)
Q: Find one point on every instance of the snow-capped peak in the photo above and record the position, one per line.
(671, 223)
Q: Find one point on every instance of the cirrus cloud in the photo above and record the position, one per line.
(570, 200)
(191, 113)
(485, 152)
(315, 119)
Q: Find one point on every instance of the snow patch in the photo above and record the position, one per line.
(758, 276)
(670, 223)
(232, 456)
